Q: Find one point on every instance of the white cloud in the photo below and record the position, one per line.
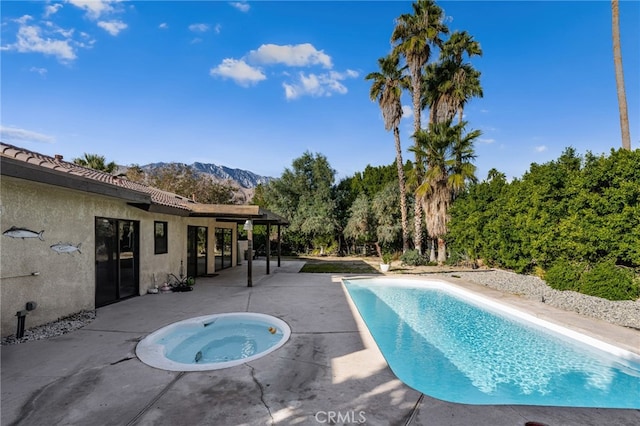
(30, 39)
(94, 8)
(407, 111)
(540, 148)
(163, 26)
(487, 141)
(318, 85)
(41, 71)
(112, 27)
(199, 28)
(23, 19)
(298, 55)
(13, 135)
(52, 9)
(241, 6)
(239, 71)
(217, 28)
(246, 71)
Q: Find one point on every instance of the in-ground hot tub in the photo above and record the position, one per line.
(214, 341)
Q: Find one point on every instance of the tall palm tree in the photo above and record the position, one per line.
(413, 38)
(450, 83)
(450, 155)
(386, 88)
(617, 60)
(96, 162)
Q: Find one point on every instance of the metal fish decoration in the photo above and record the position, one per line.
(15, 232)
(66, 248)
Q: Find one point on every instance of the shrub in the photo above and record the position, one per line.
(413, 258)
(564, 275)
(611, 282)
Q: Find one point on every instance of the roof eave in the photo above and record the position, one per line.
(22, 170)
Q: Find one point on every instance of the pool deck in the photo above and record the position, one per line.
(330, 369)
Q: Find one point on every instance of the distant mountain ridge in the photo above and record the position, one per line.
(244, 178)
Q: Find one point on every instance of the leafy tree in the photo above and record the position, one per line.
(185, 181)
(135, 173)
(376, 221)
(96, 162)
(575, 219)
(384, 207)
(360, 226)
(386, 88)
(304, 195)
(371, 180)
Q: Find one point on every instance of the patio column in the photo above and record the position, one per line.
(248, 226)
(268, 247)
(279, 245)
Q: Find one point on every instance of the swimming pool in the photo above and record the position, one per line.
(213, 342)
(453, 345)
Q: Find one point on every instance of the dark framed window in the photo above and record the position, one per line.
(160, 237)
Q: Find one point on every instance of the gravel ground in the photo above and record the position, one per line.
(54, 328)
(625, 313)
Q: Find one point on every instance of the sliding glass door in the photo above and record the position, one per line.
(224, 248)
(117, 260)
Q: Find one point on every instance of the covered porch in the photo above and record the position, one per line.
(246, 217)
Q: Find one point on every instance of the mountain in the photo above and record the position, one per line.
(243, 178)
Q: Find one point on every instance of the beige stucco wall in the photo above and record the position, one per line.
(65, 283)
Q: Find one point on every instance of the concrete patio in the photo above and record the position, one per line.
(330, 371)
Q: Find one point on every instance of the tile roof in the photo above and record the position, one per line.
(56, 163)
(138, 194)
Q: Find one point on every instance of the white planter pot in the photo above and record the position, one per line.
(384, 267)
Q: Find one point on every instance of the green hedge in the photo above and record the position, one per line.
(603, 279)
(571, 216)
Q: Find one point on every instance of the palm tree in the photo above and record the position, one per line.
(466, 79)
(617, 60)
(413, 38)
(96, 162)
(386, 88)
(449, 84)
(449, 168)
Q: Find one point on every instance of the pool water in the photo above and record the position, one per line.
(449, 347)
(213, 342)
(221, 340)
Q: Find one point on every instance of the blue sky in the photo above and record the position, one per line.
(254, 85)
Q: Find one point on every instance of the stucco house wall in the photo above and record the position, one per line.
(65, 283)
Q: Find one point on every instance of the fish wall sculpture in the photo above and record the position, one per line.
(66, 248)
(15, 232)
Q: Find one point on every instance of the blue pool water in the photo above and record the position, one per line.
(221, 340)
(449, 348)
(212, 342)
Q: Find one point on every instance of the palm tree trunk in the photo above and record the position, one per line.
(403, 192)
(617, 60)
(417, 219)
(442, 251)
(432, 251)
